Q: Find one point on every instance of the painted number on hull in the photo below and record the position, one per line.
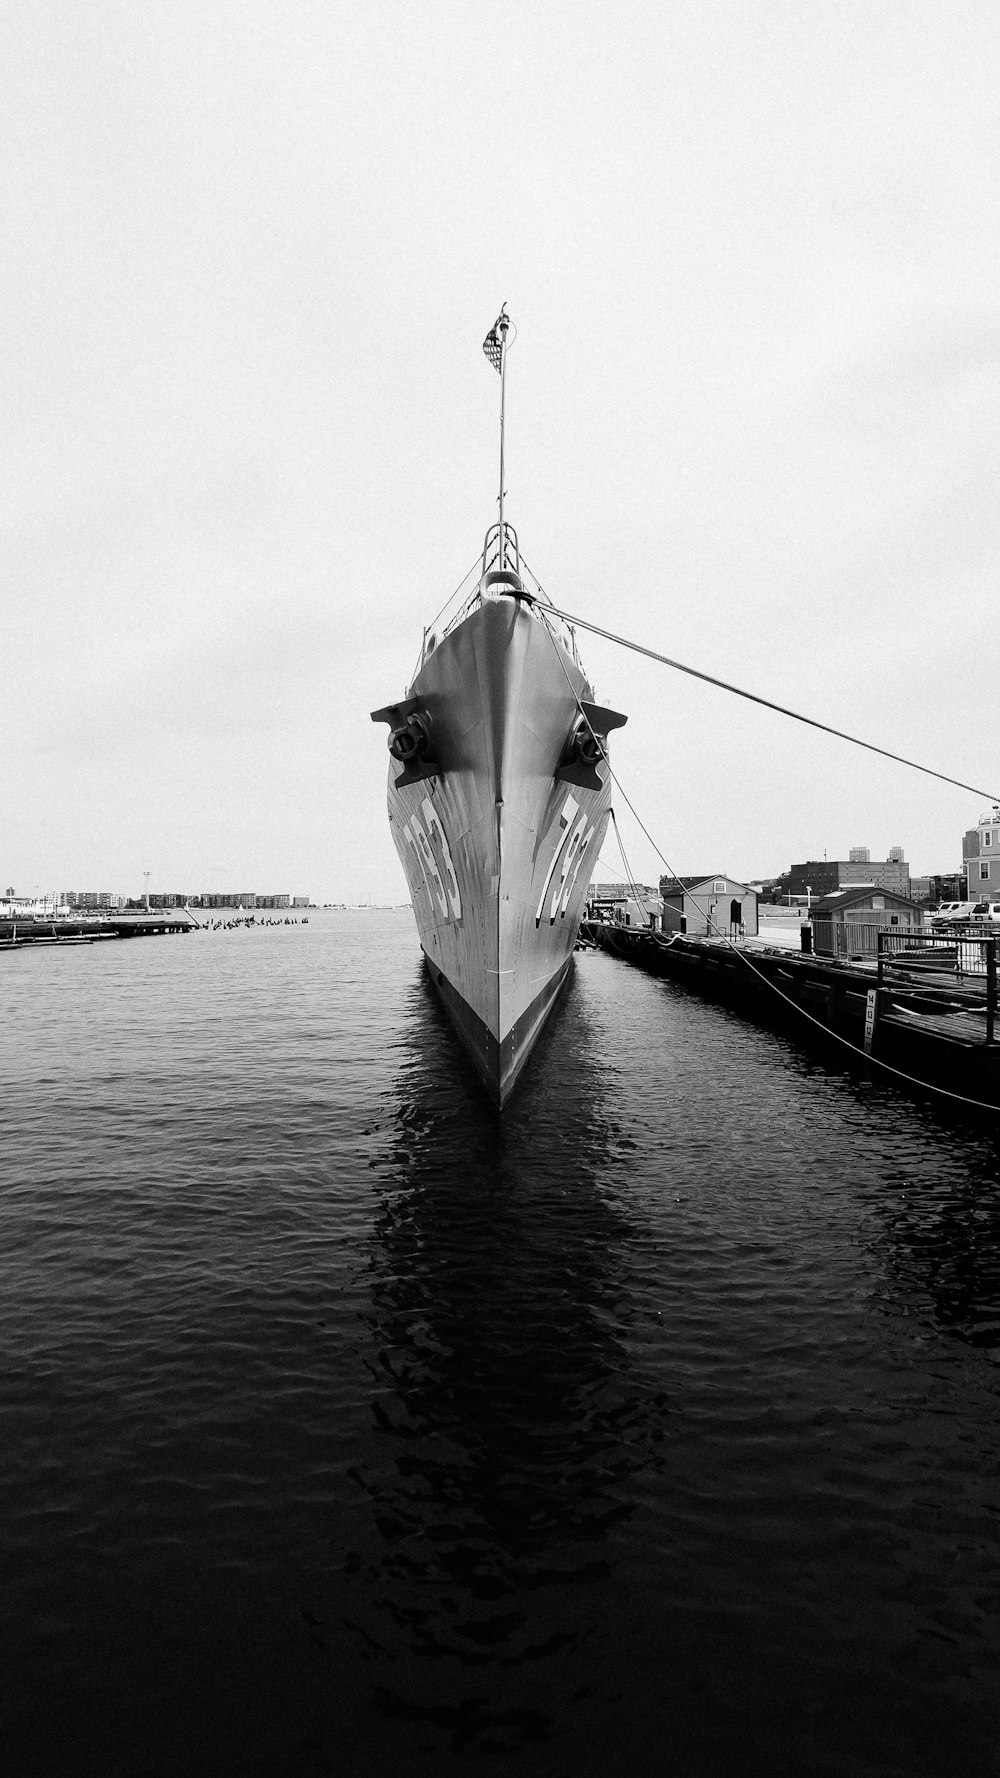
(573, 840)
(433, 855)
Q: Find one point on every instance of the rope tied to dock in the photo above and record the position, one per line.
(739, 952)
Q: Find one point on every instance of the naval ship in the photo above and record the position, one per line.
(499, 796)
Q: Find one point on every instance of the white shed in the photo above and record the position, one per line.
(701, 906)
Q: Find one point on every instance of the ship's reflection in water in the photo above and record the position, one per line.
(511, 1416)
(652, 1428)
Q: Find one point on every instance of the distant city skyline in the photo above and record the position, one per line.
(815, 876)
(161, 897)
(895, 855)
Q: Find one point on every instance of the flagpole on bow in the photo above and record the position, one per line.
(495, 348)
(502, 325)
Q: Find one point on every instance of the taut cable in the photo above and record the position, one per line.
(723, 685)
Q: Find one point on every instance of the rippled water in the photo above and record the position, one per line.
(345, 1428)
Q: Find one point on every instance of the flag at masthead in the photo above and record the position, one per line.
(493, 343)
(495, 347)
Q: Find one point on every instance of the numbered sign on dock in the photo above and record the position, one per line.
(871, 1013)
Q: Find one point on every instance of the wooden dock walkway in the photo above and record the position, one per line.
(927, 1022)
(16, 933)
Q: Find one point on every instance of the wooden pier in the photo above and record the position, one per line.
(28, 930)
(920, 1010)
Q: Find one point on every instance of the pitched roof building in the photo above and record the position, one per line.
(847, 923)
(981, 859)
(708, 905)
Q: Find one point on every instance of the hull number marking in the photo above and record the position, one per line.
(433, 855)
(574, 824)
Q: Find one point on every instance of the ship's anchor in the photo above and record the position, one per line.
(410, 740)
(586, 745)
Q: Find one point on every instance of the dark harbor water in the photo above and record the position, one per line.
(345, 1429)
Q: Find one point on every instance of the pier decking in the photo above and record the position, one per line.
(33, 931)
(921, 1011)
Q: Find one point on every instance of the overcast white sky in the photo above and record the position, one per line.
(248, 255)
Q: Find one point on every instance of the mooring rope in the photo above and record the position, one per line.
(629, 878)
(768, 704)
(912, 1080)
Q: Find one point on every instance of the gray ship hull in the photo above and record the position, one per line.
(498, 837)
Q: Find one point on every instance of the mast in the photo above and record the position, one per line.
(502, 326)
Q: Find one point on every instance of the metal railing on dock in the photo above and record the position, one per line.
(939, 962)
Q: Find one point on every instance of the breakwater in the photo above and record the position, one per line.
(921, 1012)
